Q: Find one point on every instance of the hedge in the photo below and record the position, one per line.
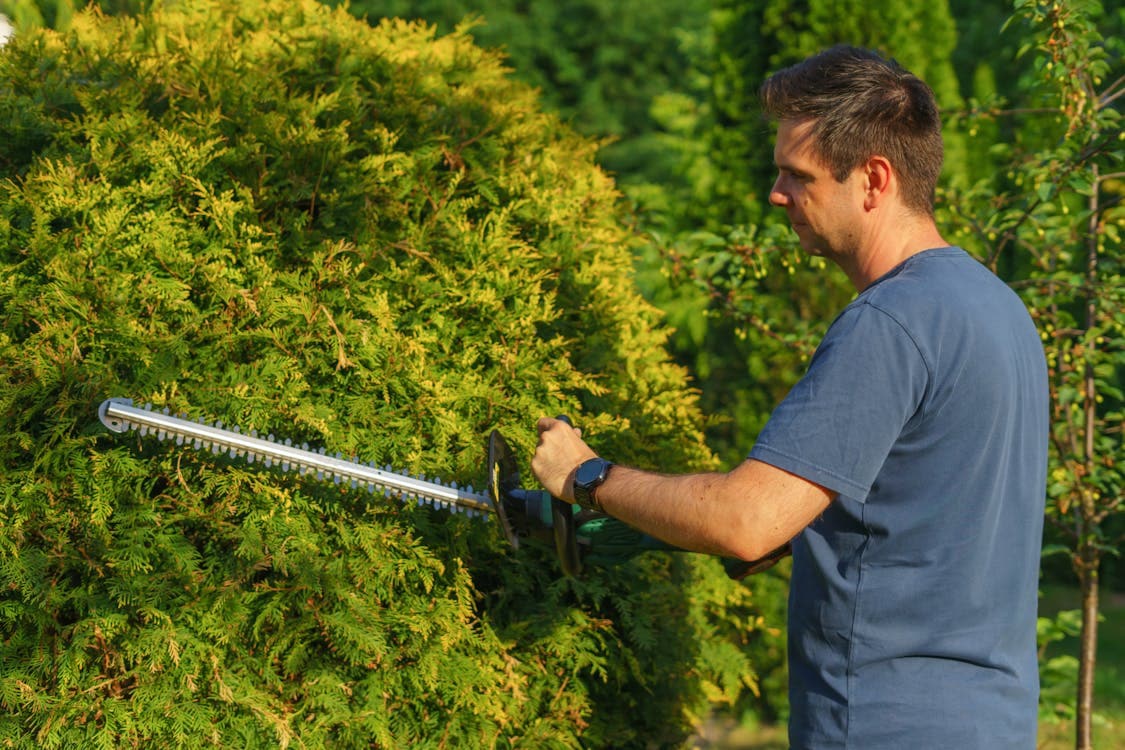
(372, 240)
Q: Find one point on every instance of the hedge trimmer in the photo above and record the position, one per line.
(579, 536)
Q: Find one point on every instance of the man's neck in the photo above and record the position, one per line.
(888, 246)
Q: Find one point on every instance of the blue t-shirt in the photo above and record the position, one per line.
(913, 601)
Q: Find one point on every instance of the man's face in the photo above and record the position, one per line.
(823, 212)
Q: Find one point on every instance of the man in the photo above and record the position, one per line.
(907, 467)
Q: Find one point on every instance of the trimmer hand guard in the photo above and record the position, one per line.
(529, 513)
(503, 479)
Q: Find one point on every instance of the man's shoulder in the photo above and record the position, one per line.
(938, 273)
(944, 288)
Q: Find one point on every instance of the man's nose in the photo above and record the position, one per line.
(777, 196)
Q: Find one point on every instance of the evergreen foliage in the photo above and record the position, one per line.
(600, 65)
(370, 239)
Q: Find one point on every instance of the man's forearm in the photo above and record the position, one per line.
(689, 511)
(745, 513)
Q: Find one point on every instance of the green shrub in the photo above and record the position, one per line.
(371, 240)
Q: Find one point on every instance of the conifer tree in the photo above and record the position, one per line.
(373, 240)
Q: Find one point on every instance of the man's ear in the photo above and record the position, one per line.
(880, 181)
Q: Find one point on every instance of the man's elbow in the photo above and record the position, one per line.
(760, 509)
(748, 539)
(755, 550)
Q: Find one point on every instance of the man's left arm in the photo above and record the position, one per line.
(745, 513)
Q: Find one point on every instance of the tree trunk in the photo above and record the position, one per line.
(1088, 553)
(1087, 651)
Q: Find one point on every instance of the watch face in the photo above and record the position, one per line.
(591, 472)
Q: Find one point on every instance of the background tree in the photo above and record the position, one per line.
(373, 240)
(1057, 214)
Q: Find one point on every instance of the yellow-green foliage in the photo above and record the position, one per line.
(371, 240)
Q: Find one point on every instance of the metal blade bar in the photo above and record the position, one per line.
(119, 415)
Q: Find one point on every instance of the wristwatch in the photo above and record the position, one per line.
(588, 477)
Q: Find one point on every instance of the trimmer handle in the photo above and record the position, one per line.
(566, 536)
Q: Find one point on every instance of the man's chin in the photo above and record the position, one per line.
(811, 248)
(808, 242)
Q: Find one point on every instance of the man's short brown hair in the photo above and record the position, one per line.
(863, 105)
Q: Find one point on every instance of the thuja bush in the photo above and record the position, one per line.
(371, 240)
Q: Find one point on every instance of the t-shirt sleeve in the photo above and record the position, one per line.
(836, 427)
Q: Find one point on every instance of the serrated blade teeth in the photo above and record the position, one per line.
(119, 415)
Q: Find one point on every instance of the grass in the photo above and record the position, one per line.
(1109, 672)
(1109, 688)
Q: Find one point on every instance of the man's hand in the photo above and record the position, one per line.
(558, 455)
